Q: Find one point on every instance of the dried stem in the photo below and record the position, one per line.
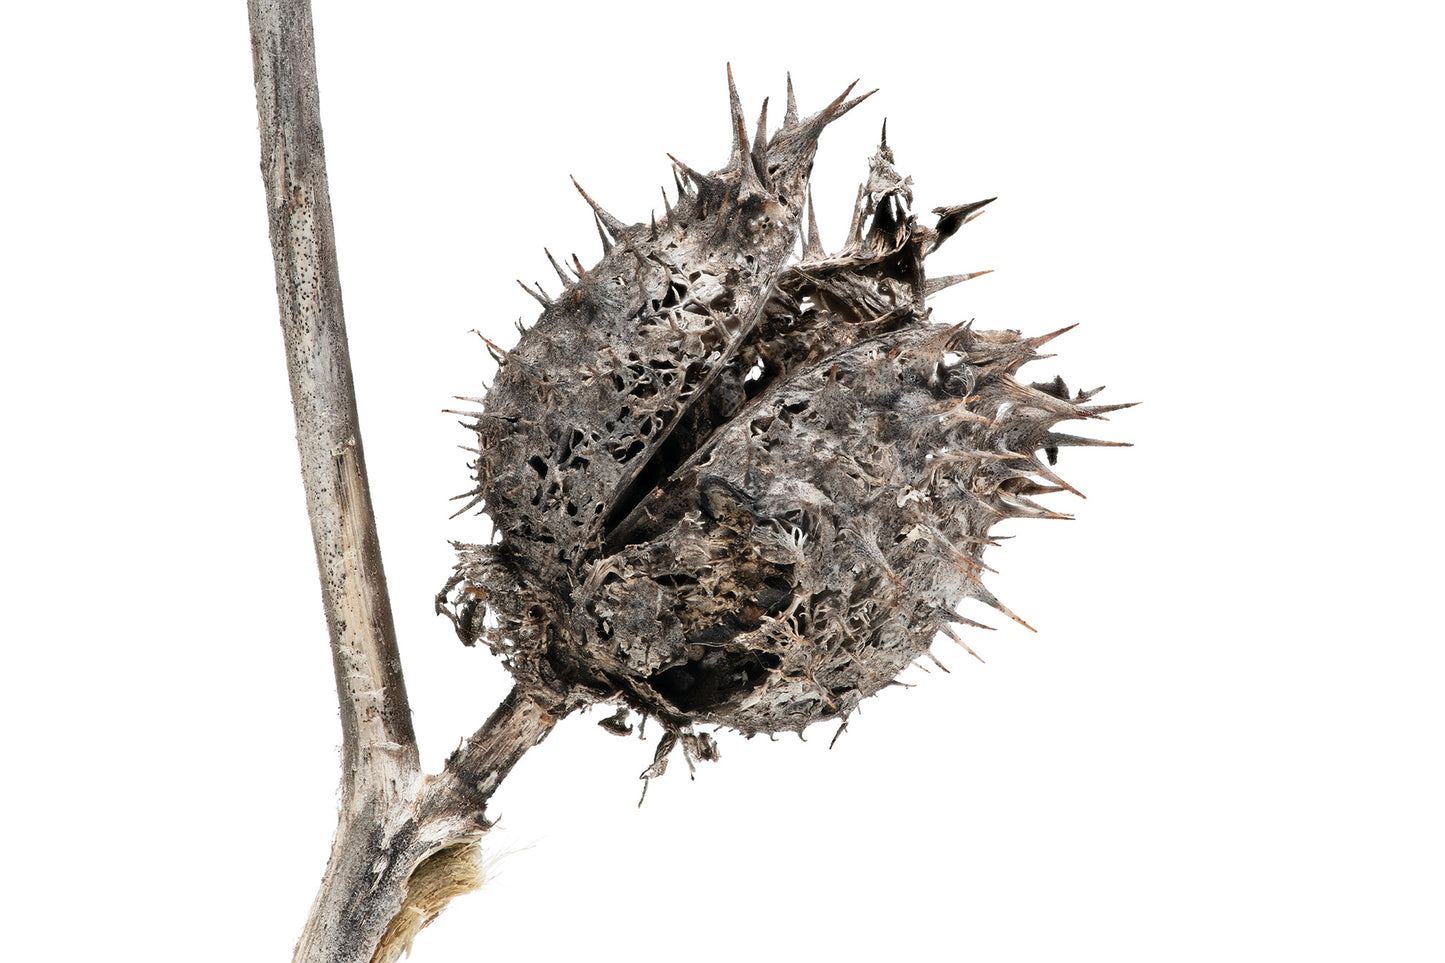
(374, 709)
(404, 843)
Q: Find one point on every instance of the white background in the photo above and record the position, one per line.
(1223, 743)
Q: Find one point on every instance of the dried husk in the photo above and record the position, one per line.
(739, 486)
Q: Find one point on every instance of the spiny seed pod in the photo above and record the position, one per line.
(736, 485)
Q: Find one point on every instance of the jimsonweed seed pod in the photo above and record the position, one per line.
(736, 479)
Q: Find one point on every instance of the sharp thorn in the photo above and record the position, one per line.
(839, 100)
(1098, 411)
(933, 285)
(855, 229)
(558, 268)
(849, 105)
(957, 619)
(616, 227)
(497, 353)
(1057, 439)
(735, 106)
(751, 180)
(759, 153)
(989, 599)
(814, 125)
(699, 179)
(467, 506)
(812, 246)
(607, 243)
(1044, 339)
(1043, 472)
(954, 636)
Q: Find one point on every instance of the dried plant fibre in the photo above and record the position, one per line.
(444, 875)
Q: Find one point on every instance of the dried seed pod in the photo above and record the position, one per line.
(740, 487)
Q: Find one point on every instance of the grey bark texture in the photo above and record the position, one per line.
(374, 710)
(404, 841)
